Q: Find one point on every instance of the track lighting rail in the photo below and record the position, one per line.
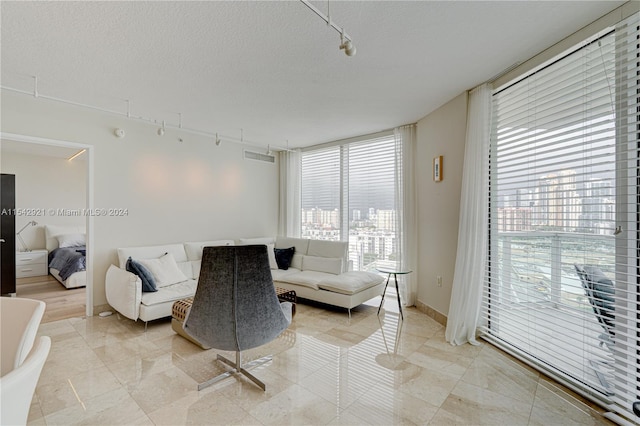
(218, 137)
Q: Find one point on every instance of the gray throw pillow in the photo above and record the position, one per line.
(148, 282)
(284, 256)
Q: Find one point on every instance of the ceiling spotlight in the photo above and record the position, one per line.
(345, 41)
(218, 141)
(347, 45)
(119, 133)
(161, 129)
(268, 149)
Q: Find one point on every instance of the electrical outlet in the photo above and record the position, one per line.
(439, 280)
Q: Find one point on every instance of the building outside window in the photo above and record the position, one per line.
(349, 194)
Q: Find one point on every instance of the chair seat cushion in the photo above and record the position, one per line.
(170, 293)
(351, 282)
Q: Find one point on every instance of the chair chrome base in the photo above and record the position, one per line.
(599, 368)
(238, 367)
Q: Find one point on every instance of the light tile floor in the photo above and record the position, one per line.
(326, 369)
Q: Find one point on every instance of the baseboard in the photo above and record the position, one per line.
(101, 308)
(432, 313)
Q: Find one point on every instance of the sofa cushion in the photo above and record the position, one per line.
(273, 264)
(278, 274)
(309, 279)
(301, 244)
(170, 293)
(164, 269)
(323, 248)
(322, 264)
(254, 241)
(284, 256)
(350, 282)
(148, 281)
(194, 254)
(296, 262)
(154, 252)
(194, 249)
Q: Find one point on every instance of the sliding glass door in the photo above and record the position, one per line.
(561, 288)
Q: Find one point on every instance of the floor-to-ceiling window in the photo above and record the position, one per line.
(562, 282)
(349, 194)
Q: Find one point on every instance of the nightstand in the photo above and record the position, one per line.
(31, 263)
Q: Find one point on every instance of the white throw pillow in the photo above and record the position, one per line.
(330, 265)
(51, 233)
(272, 256)
(71, 240)
(164, 269)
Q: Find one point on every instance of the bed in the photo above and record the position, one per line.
(67, 254)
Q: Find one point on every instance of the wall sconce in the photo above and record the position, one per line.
(24, 245)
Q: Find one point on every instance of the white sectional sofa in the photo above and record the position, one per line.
(319, 271)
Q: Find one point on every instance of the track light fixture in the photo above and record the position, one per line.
(346, 43)
(268, 149)
(218, 141)
(161, 129)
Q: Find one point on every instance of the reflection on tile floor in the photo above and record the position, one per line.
(326, 369)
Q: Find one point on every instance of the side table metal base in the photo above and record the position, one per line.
(395, 277)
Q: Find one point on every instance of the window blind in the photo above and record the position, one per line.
(348, 194)
(561, 287)
(321, 195)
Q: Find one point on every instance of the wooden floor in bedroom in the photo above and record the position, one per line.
(61, 302)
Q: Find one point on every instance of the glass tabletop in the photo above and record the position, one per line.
(392, 271)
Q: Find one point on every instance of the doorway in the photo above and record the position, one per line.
(62, 302)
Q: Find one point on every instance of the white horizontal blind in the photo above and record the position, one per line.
(348, 194)
(626, 352)
(563, 177)
(371, 204)
(321, 183)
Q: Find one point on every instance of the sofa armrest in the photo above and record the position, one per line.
(124, 291)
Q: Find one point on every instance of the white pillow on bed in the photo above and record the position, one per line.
(164, 269)
(71, 240)
(52, 231)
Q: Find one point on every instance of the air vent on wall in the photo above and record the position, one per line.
(251, 155)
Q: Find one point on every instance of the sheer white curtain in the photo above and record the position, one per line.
(468, 277)
(289, 217)
(406, 218)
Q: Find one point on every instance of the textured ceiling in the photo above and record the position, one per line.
(273, 69)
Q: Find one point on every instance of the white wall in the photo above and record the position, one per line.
(440, 133)
(174, 192)
(45, 181)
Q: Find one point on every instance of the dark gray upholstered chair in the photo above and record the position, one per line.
(235, 307)
(600, 292)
